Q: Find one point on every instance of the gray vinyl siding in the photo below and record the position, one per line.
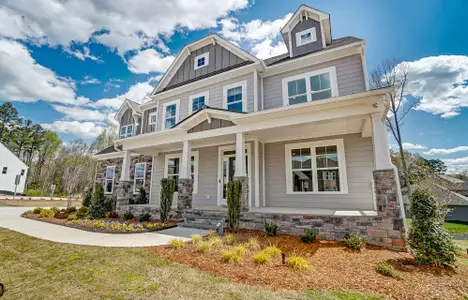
(310, 47)
(359, 159)
(215, 97)
(219, 58)
(126, 118)
(349, 75)
(148, 128)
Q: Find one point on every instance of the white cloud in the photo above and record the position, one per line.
(441, 84)
(265, 49)
(23, 79)
(82, 55)
(457, 163)
(80, 114)
(409, 146)
(442, 151)
(138, 92)
(112, 83)
(89, 80)
(148, 61)
(85, 130)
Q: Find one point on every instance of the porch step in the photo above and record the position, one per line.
(203, 220)
(199, 226)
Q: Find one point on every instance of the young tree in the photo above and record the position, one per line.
(390, 73)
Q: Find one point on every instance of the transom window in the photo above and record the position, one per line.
(126, 131)
(170, 114)
(172, 169)
(306, 36)
(198, 101)
(109, 181)
(316, 85)
(317, 167)
(235, 96)
(139, 180)
(201, 60)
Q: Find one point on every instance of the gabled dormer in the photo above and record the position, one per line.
(307, 31)
(129, 117)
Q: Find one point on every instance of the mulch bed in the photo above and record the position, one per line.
(67, 223)
(334, 267)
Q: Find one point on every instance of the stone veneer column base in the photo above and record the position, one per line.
(185, 189)
(244, 199)
(124, 193)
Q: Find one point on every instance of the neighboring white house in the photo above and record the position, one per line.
(10, 166)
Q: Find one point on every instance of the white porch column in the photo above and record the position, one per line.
(186, 163)
(240, 155)
(125, 173)
(380, 140)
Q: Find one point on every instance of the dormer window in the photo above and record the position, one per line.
(126, 131)
(306, 36)
(202, 60)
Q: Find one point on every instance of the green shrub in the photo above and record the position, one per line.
(261, 258)
(61, 215)
(216, 242)
(110, 203)
(97, 206)
(253, 244)
(145, 217)
(309, 236)
(429, 241)
(55, 209)
(196, 238)
(113, 215)
(272, 251)
(176, 244)
(47, 213)
(72, 216)
(37, 210)
(128, 215)
(231, 256)
(240, 250)
(166, 197)
(203, 247)
(142, 198)
(387, 270)
(229, 239)
(70, 210)
(212, 234)
(354, 241)
(298, 263)
(82, 212)
(233, 195)
(87, 197)
(271, 228)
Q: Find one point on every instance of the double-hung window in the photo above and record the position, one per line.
(109, 181)
(140, 175)
(312, 86)
(173, 165)
(126, 131)
(170, 114)
(152, 121)
(235, 96)
(316, 167)
(202, 60)
(197, 102)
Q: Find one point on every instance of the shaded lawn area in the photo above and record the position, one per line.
(37, 203)
(451, 227)
(37, 269)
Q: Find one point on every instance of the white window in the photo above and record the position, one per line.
(306, 36)
(172, 169)
(235, 96)
(140, 175)
(316, 167)
(196, 102)
(170, 114)
(312, 86)
(109, 182)
(126, 131)
(153, 120)
(202, 60)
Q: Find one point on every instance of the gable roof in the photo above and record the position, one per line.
(110, 149)
(128, 104)
(185, 52)
(9, 151)
(206, 113)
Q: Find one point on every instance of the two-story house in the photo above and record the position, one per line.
(301, 131)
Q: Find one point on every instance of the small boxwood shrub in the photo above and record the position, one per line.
(72, 216)
(387, 270)
(216, 242)
(261, 258)
(229, 239)
(113, 215)
(47, 213)
(309, 236)
(82, 212)
(128, 215)
(203, 247)
(177, 244)
(354, 241)
(37, 210)
(298, 263)
(240, 250)
(271, 228)
(272, 251)
(196, 238)
(145, 217)
(230, 256)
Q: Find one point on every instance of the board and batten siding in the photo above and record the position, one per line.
(219, 58)
(309, 47)
(127, 118)
(148, 128)
(215, 97)
(360, 164)
(349, 73)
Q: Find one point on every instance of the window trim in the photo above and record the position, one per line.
(312, 145)
(306, 76)
(196, 157)
(126, 131)
(106, 179)
(313, 33)
(243, 85)
(154, 113)
(135, 178)
(206, 94)
(165, 105)
(205, 55)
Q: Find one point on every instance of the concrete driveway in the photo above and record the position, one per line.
(10, 218)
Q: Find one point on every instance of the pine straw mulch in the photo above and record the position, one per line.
(334, 267)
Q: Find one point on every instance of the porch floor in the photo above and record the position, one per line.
(296, 211)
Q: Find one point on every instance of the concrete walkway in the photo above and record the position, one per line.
(10, 218)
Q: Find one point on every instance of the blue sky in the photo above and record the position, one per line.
(69, 66)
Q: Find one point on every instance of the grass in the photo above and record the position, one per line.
(63, 271)
(37, 203)
(451, 227)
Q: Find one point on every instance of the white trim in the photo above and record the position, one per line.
(261, 92)
(257, 172)
(155, 113)
(205, 55)
(165, 105)
(263, 174)
(364, 68)
(322, 32)
(221, 149)
(290, 44)
(205, 94)
(135, 178)
(106, 179)
(151, 180)
(306, 76)
(313, 36)
(255, 91)
(242, 84)
(297, 17)
(312, 145)
(196, 157)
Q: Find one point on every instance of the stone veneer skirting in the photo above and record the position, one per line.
(138, 210)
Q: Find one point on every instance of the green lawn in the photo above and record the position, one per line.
(37, 269)
(451, 227)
